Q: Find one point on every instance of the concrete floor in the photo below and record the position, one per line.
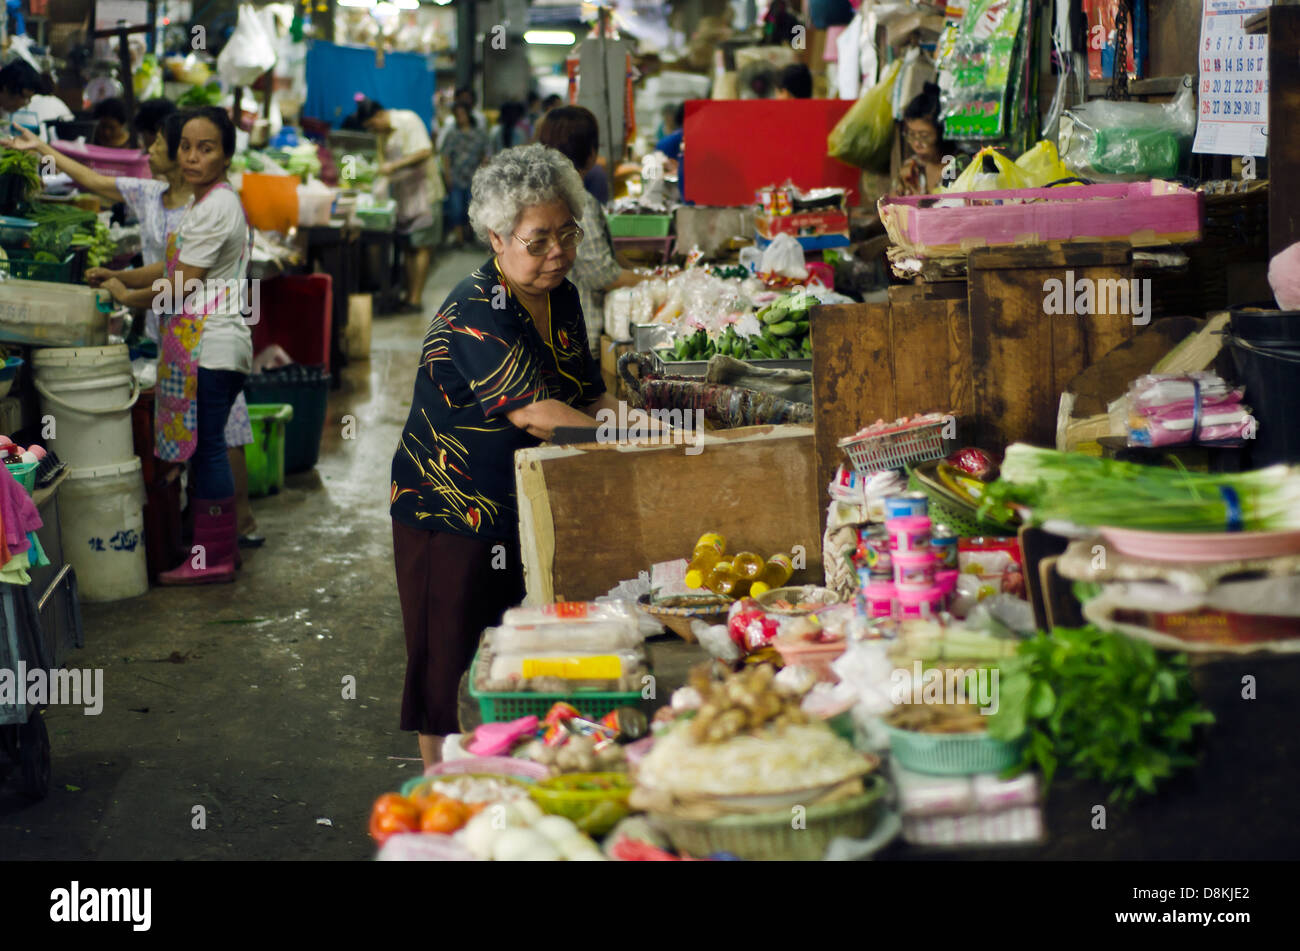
(230, 697)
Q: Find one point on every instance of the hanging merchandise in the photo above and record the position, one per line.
(1103, 43)
(1234, 81)
(1128, 141)
(249, 52)
(865, 134)
(982, 65)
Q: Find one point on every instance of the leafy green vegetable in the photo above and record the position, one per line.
(1105, 706)
(209, 95)
(26, 165)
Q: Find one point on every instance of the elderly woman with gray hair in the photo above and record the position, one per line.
(505, 361)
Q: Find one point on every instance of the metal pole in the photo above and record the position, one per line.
(466, 46)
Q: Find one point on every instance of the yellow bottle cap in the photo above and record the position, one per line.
(694, 578)
(759, 587)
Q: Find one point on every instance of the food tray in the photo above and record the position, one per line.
(772, 836)
(504, 707)
(595, 812)
(378, 217)
(945, 508)
(678, 620)
(895, 448)
(701, 367)
(951, 754)
(640, 226)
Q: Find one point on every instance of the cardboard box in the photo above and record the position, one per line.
(610, 351)
(356, 339)
(591, 516)
(803, 224)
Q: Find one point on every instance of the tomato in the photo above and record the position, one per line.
(444, 817)
(392, 814)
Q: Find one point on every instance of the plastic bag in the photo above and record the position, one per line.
(1042, 165)
(784, 256)
(248, 53)
(864, 136)
(1128, 141)
(989, 170)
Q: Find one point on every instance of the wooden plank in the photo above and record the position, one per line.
(1283, 136)
(1057, 254)
(591, 516)
(938, 290)
(931, 345)
(853, 378)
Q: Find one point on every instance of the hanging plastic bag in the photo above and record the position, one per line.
(1042, 165)
(1128, 141)
(864, 136)
(989, 170)
(248, 53)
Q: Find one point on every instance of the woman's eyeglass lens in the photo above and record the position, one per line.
(540, 247)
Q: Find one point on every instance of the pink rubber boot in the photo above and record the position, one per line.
(216, 541)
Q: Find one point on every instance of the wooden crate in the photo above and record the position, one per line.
(610, 351)
(591, 516)
(993, 357)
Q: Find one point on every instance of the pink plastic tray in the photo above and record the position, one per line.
(1142, 213)
(1207, 547)
(120, 163)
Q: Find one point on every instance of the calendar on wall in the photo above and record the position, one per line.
(1232, 94)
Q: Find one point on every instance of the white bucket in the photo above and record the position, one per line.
(87, 393)
(101, 515)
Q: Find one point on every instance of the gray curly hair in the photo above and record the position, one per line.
(519, 178)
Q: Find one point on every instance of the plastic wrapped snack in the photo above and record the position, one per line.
(575, 626)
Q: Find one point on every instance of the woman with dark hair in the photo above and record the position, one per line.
(464, 150)
(207, 350)
(796, 82)
(511, 128)
(574, 132)
(149, 119)
(18, 84)
(408, 165)
(922, 172)
(114, 128)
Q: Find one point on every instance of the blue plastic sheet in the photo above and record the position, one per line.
(335, 74)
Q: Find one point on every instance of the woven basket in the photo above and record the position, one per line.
(772, 836)
(951, 754)
(947, 510)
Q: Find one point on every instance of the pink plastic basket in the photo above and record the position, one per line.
(907, 444)
(120, 163)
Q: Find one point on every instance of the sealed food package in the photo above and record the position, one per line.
(568, 626)
(566, 665)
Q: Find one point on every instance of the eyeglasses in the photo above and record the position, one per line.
(921, 138)
(540, 247)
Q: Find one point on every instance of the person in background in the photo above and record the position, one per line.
(18, 84)
(149, 120)
(671, 145)
(207, 349)
(511, 128)
(465, 149)
(464, 97)
(408, 158)
(922, 172)
(553, 101)
(48, 107)
(796, 82)
(575, 133)
(114, 130)
(492, 380)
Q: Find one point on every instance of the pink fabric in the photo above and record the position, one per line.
(1284, 277)
(18, 514)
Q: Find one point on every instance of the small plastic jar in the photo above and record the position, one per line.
(914, 569)
(909, 534)
(878, 597)
(920, 603)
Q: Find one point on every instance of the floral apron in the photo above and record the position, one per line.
(176, 415)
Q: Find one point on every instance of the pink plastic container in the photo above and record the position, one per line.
(816, 657)
(914, 569)
(909, 534)
(917, 603)
(879, 598)
(120, 163)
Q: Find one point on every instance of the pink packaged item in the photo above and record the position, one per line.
(914, 569)
(917, 603)
(909, 534)
(879, 598)
(494, 739)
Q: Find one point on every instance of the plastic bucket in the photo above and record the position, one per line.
(1265, 346)
(88, 392)
(101, 515)
(264, 456)
(271, 201)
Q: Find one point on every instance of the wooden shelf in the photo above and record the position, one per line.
(1155, 86)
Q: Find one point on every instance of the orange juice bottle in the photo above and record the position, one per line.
(775, 573)
(747, 564)
(708, 552)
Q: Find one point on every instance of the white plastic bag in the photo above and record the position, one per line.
(784, 256)
(249, 53)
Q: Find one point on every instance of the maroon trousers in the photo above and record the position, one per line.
(451, 588)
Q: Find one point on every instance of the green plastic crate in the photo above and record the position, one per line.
(951, 754)
(22, 265)
(504, 707)
(264, 456)
(640, 226)
(379, 217)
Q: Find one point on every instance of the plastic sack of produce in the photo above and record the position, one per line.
(1128, 141)
(784, 257)
(990, 170)
(248, 53)
(865, 134)
(1042, 165)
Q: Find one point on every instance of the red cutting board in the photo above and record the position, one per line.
(735, 146)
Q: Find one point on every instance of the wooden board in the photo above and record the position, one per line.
(592, 516)
(853, 378)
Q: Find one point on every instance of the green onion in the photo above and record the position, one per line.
(1088, 491)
